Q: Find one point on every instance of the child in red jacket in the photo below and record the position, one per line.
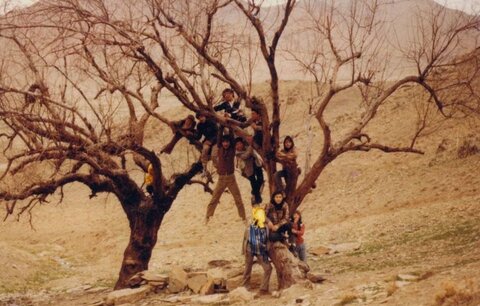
(298, 229)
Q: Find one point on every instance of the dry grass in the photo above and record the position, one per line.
(453, 295)
(469, 147)
(348, 299)
(391, 288)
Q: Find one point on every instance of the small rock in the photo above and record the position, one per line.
(276, 294)
(234, 273)
(218, 263)
(135, 280)
(241, 294)
(315, 278)
(177, 280)
(408, 277)
(210, 299)
(321, 250)
(97, 289)
(303, 300)
(344, 247)
(158, 284)
(208, 288)
(172, 299)
(234, 282)
(157, 287)
(128, 295)
(196, 283)
(401, 284)
(217, 276)
(195, 273)
(150, 276)
(78, 289)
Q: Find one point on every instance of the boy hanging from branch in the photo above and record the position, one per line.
(182, 128)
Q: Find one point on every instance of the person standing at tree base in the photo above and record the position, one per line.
(298, 229)
(255, 246)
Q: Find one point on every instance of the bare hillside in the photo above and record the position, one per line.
(410, 214)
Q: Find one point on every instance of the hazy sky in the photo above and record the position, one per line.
(466, 5)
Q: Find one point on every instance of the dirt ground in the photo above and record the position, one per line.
(411, 214)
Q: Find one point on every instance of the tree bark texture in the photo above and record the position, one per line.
(144, 225)
(285, 265)
(145, 215)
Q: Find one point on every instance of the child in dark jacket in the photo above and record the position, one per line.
(250, 164)
(206, 128)
(288, 158)
(278, 217)
(185, 128)
(230, 107)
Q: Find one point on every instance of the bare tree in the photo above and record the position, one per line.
(355, 48)
(73, 63)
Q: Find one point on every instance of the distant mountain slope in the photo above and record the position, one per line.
(398, 26)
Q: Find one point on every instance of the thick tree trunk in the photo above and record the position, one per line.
(145, 215)
(285, 265)
(271, 169)
(144, 222)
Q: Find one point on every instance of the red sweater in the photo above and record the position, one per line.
(299, 234)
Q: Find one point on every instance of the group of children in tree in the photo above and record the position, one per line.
(270, 223)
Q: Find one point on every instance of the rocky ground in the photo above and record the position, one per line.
(390, 229)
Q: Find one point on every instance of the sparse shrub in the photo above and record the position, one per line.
(443, 146)
(348, 299)
(291, 100)
(426, 275)
(453, 295)
(467, 148)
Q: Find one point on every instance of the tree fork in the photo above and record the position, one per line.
(145, 221)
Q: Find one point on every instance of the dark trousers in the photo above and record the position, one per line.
(256, 182)
(279, 235)
(290, 181)
(279, 186)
